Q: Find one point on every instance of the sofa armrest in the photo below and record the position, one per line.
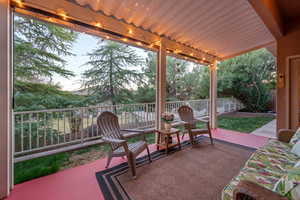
(285, 135)
(247, 190)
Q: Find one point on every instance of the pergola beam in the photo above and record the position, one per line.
(161, 79)
(270, 14)
(213, 95)
(137, 36)
(5, 100)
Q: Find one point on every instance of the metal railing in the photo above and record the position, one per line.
(36, 131)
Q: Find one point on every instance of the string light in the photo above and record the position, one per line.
(191, 54)
(130, 31)
(98, 24)
(125, 39)
(107, 37)
(19, 3)
(139, 43)
(62, 13)
(151, 45)
(177, 51)
(50, 19)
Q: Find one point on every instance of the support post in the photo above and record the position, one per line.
(161, 77)
(5, 100)
(213, 96)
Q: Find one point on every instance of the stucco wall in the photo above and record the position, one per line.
(288, 45)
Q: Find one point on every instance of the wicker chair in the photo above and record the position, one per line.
(109, 126)
(186, 114)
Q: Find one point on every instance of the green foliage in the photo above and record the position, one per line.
(39, 96)
(182, 84)
(111, 71)
(249, 78)
(39, 48)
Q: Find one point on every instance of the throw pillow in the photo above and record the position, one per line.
(287, 183)
(295, 138)
(296, 149)
(295, 193)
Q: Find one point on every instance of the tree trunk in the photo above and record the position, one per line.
(111, 87)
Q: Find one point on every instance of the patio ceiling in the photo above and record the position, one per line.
(223, 28)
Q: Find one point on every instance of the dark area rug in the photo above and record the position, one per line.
(199, 173)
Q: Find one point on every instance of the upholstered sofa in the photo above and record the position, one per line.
(257, 179)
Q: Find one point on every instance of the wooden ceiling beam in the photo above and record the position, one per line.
(269, 12)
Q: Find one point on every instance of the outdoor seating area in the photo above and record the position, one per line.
(149, 99)
(79, 182)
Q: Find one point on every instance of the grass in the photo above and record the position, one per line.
(242, 124)
(38, 167)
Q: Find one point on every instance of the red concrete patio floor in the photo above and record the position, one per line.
(80, 183)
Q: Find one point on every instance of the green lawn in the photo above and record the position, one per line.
(38, 167)
(243, 124)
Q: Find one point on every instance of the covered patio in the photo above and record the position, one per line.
(80, 182)
(205, 32)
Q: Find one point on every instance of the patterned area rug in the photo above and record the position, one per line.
(199, 173)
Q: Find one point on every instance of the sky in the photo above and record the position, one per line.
(85, 43)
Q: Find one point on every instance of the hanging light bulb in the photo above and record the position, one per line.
(98, 24)
(19, 3)
(62, 13)
(130, 31)
(50, 19)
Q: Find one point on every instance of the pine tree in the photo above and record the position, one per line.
(111, 71)
(39, 49)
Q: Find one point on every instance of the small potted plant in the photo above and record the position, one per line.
(167, 118)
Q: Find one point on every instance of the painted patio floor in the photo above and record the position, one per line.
(80, 183)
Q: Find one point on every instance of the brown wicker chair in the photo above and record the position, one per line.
(109, 126)
(186, 114)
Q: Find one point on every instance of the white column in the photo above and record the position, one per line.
(213, 96)
(161, 77)
(5, 99)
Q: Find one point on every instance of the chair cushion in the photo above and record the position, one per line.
(295, 138)
(135, 148)
(265, 167)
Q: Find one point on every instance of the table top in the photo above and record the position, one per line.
(169, 132)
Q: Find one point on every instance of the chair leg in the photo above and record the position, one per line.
(182, 135)
(211, 139)
(149, 156)
(131, 163)
(108, 159)
(191, 139)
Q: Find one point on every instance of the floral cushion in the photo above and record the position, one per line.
(265, 167)
(296, 137)
(288, 182)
